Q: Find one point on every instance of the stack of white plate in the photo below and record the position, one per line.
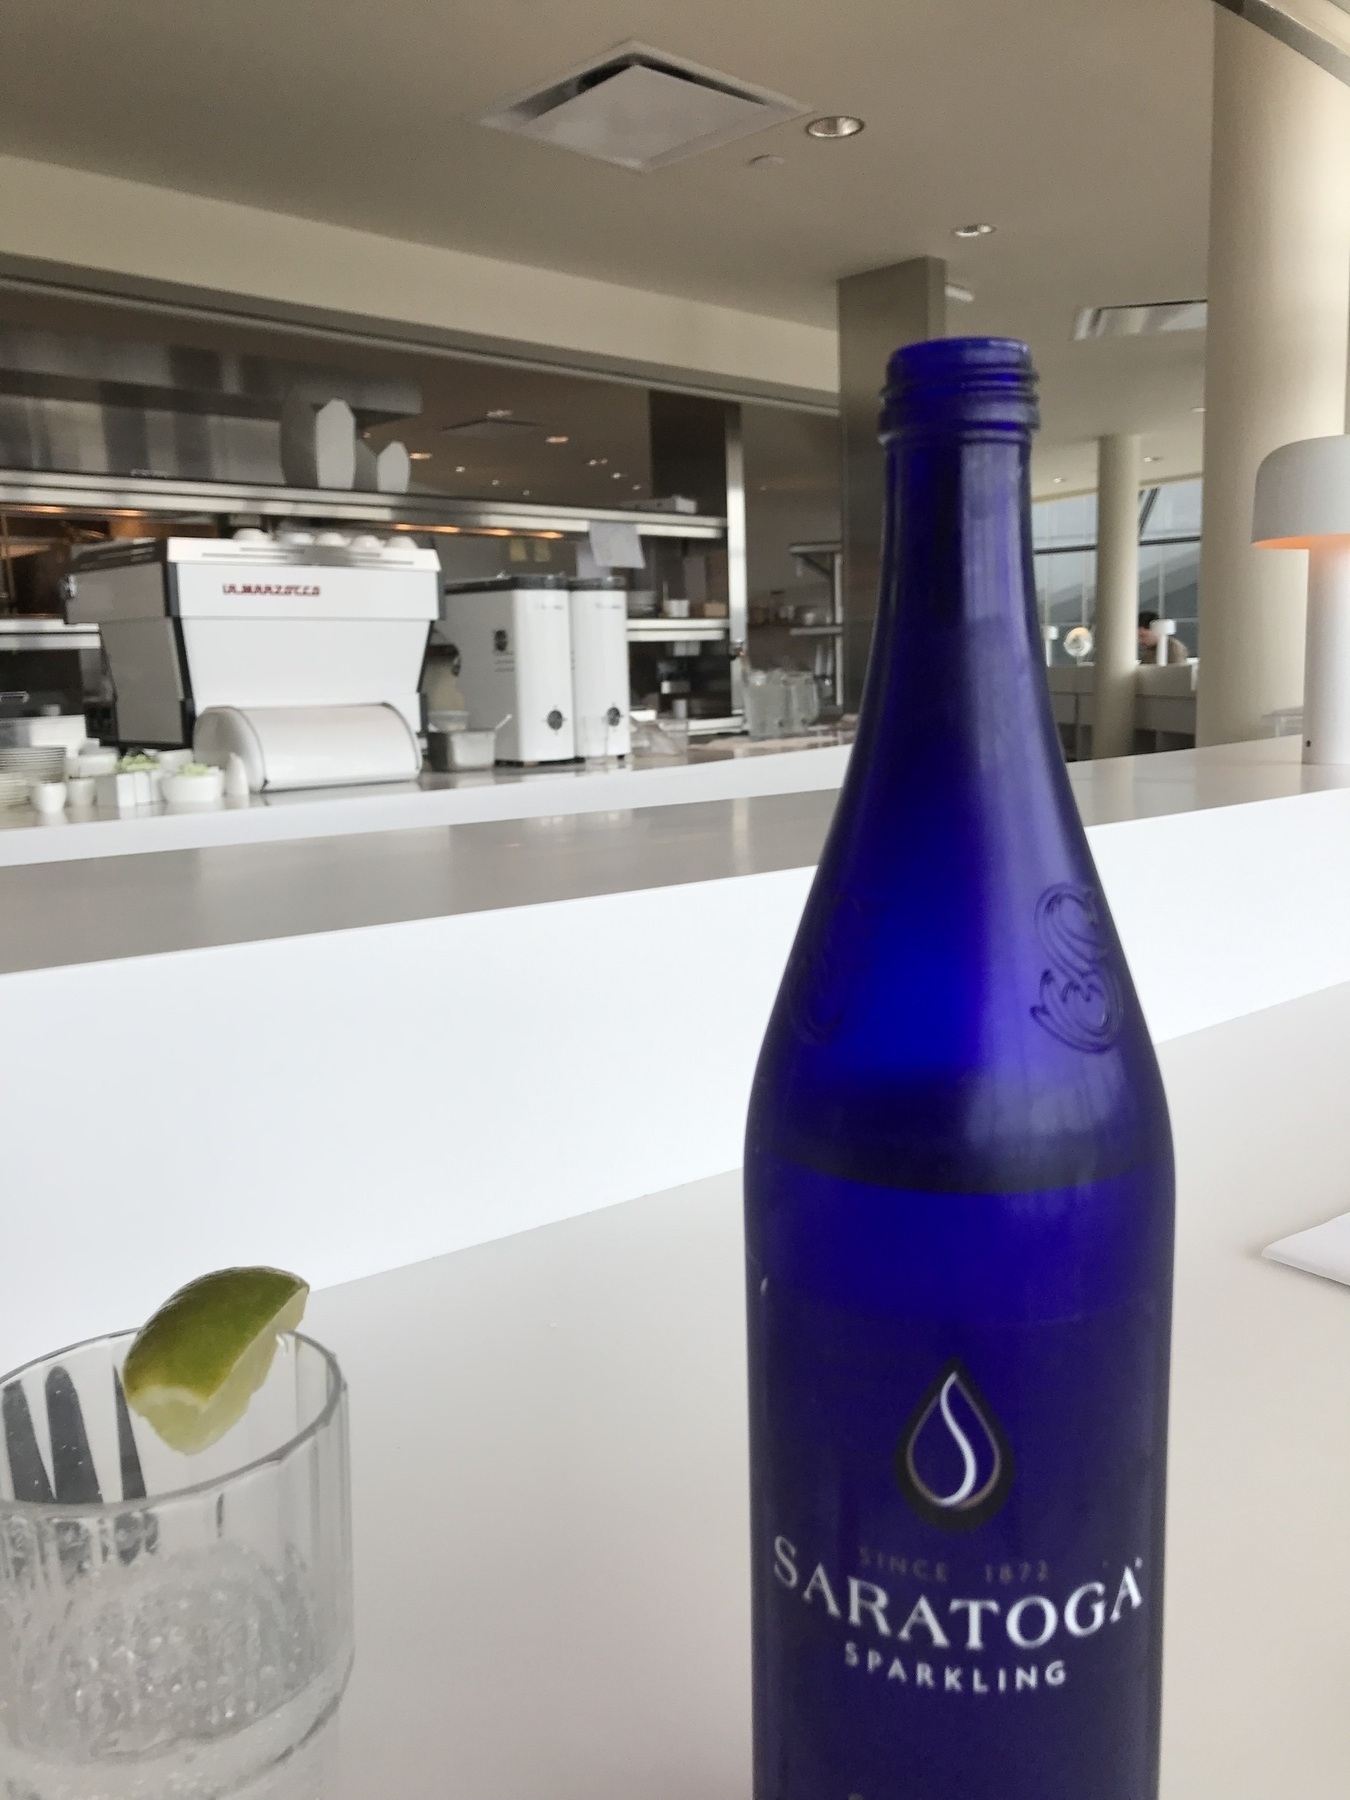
(35, 762)
(23, 764)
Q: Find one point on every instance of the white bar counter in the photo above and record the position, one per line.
(366, 1056)
(550, 1497)
(349, 1053)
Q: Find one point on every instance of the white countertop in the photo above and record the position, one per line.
(729, 768)
(339, 860)
(549, 1462)
(1108, 792)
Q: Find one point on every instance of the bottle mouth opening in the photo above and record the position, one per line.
(981, 386)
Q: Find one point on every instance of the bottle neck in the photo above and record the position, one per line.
(957, 666)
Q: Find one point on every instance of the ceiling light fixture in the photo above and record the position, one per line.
(460, 469)
(1145, 320)
(557, 438)
(834, 126)
(1058, 480)
(974, 231)
(955, 290)
(1197, 409)
(641, 108)
(419, 456)
(499, 412)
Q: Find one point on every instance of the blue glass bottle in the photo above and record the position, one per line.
(958, 1205)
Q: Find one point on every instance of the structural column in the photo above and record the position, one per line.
(1275, 363)
(1115, 637)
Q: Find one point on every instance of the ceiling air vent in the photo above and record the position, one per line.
(641, 109)
(1140, 321)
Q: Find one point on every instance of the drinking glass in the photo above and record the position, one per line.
(171, 1627)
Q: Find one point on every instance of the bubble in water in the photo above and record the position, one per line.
(188, 1648)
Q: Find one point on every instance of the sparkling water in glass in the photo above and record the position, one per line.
(171, 1627)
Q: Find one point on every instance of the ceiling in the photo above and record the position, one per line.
(1081, 131)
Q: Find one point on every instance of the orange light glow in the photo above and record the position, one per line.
(1301, 543)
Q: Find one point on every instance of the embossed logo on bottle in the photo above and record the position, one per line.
(1080, 1000)
(821, 994)
(953, 1462)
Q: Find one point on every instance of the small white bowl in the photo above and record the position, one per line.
(472, 749)
(80, 790)
(192, 790)
(97, 762)
(173, 759)
(47, 797)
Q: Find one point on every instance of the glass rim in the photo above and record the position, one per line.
(337, 1388)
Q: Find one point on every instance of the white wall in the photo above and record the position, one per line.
(131, 229)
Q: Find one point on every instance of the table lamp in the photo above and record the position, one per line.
(1303, 503)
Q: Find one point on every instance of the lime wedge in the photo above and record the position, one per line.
(193, 1369)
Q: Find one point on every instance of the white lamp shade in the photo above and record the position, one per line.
(1303, 494)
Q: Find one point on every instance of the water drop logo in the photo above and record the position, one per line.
(953, 1462)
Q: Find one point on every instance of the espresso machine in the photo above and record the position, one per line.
(301, 652)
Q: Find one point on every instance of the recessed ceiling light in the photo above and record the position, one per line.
(1151, 459)
(1058, 480)
(1197, 409)
(592, 462)
(637, 487)
(499, 412)
(957, 291)
(834, 125)
(617, 475)
(766, 162)
(459, 469)
(557, 438)
(419, 456)
(974, 231)
(495, 482)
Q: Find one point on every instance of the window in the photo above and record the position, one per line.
(1064, 544)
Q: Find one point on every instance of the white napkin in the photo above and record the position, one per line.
(615, 546)
(1322, 1250)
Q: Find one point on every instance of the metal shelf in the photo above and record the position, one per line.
(31, 632)
(160, 495)
(663, 631)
